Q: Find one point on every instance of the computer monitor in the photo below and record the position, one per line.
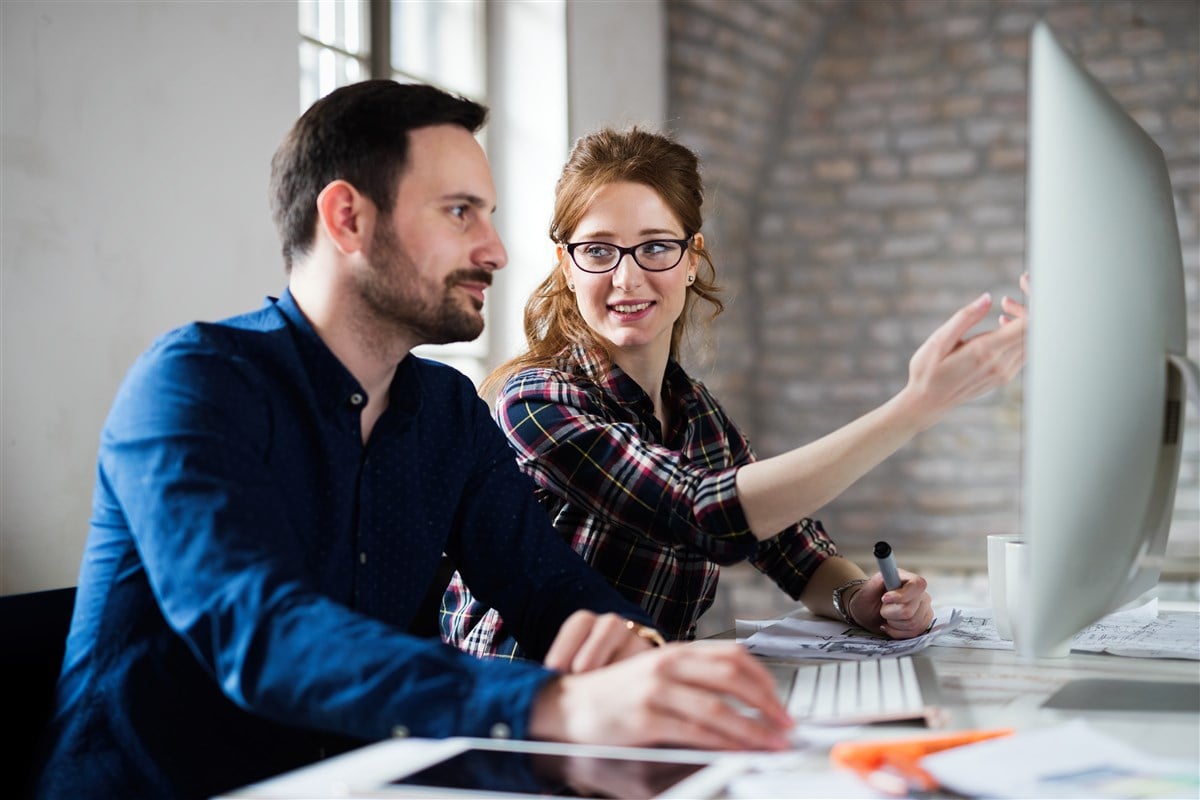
(1107, 343)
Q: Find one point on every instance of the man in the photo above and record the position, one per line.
(275, 492)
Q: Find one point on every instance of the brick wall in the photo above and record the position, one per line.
(865, 164)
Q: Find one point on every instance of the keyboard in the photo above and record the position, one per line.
(858, 692)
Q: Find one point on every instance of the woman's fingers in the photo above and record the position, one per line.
(989, 359)
(907, 612)
(900, 613)
(948, 337)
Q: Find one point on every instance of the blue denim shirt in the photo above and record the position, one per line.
(252, 566)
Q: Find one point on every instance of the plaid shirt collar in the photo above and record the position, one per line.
(616, 383)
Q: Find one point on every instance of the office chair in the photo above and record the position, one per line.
(33, 637)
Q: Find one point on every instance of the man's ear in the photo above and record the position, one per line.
(344, 216)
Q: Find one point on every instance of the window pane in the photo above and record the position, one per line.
(338, 23)
(471, 366)
(440, 41)
(322, 70)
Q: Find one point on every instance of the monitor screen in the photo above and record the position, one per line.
(1107, 342)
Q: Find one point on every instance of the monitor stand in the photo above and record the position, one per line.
(1106, 694)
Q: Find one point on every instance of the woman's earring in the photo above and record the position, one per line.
(570, 286)
(691, 278)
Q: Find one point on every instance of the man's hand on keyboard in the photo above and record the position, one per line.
(900, 613)
(671, 695)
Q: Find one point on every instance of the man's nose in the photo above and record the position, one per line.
(491, 253)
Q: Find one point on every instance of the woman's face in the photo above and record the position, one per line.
(632, 308)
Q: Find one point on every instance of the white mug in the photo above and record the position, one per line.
(998, 581)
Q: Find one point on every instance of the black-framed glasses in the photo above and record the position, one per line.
(656, 255)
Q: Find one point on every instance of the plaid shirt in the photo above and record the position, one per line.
(654, 514)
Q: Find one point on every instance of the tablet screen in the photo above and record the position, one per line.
(551, 774)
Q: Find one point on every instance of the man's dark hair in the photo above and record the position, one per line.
(359, 134)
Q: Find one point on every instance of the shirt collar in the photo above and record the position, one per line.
(615, 382)
(331, 382)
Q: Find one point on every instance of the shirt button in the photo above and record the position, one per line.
(356, 399)
(501, 731)
(362, 558)
(400, 732)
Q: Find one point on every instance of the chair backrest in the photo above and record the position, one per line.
(33, 637)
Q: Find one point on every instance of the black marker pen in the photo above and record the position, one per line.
(887, 565)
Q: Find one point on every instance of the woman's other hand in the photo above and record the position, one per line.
(950, 369)
(901, 613)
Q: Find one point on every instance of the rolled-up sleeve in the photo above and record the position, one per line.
(564, 441)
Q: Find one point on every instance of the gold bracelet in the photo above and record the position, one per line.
(645, 632)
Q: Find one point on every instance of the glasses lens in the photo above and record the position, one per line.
(595, 256)
(658, 256)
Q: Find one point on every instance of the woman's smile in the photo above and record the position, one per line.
(631, 310)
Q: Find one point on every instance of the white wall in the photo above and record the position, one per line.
(558, 70)
(136, 146)
(618, 64)
(135, 156)
(527, 144)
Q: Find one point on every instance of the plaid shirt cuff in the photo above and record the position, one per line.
(791, 558)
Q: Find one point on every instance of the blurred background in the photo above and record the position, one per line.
(865, 171)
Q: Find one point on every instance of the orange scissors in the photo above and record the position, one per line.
(880, 760)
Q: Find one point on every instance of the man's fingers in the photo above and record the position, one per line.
(587, 641)
(714, 696)
(687, 714)
(568, 641)
(608, 640)
(728, 669)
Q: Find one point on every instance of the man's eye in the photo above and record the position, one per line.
(460, 211)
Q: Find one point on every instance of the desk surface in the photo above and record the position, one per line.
(995, 688)
(979, 689)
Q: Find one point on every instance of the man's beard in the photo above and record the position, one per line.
(394, 290)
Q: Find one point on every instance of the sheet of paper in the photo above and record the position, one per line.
(1139, 632)
(1070, 760)
(809, 637)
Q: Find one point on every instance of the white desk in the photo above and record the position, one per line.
(979, 689)
(993, 688)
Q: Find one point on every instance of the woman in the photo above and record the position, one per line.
(636, 462)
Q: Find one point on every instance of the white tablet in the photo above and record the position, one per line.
(461, 767)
